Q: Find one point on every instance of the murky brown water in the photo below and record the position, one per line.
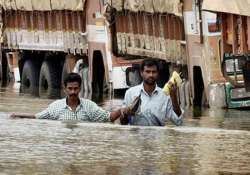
(216, 143)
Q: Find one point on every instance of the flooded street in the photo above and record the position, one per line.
(218, 142)
(196, 50)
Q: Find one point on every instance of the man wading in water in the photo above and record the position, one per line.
(74, 108)
(154, 106)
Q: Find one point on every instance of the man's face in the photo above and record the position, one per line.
(72, 89)
(149, 75)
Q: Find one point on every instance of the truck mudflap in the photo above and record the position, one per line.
(237, 97)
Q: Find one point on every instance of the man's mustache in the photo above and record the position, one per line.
(152, 79)
(72, 95)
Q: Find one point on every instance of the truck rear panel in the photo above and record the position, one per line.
(149, 30)
(48, 26)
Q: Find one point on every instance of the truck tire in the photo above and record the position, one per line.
(64, 74)
(1, 74)
(4, 71)
(50, 80)
(30, 77)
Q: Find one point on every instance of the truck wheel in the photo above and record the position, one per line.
(1, 74)
(4, 71)
(30, 77)
(50, 80)
(65, 71)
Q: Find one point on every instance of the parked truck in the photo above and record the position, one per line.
(233, 19)
(42, 40)
(182, 34)
(39, 41)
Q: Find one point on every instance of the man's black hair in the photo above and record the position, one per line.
(149, 62)
(72, 77)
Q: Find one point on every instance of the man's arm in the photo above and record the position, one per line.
(171, 115)
(122, 113)
(22, 115)
(173, 111)
(41, 115)
(124, 120)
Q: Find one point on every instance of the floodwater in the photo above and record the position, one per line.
(216, 143)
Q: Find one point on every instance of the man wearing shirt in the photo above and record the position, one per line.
(74, 108)
(156, 108)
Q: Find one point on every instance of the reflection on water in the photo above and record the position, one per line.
(217, 143)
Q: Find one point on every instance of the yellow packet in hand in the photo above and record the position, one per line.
(175, 79)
